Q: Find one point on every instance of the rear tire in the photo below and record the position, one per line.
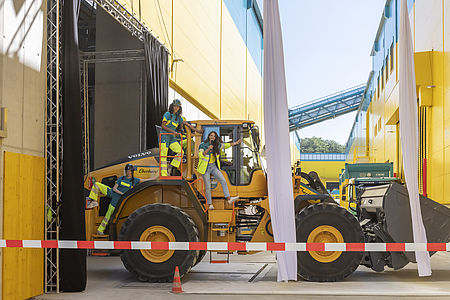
(201, 255)
(331, 266)
(157, 265)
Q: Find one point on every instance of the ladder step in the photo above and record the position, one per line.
(218, 261)
(100, 237)
(100, 254)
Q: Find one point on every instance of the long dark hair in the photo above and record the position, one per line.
(178, 114)
(216, 143)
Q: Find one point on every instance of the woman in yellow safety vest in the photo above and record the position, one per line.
(209, 164)
(171, 125)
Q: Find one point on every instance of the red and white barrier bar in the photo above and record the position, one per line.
(370, 247)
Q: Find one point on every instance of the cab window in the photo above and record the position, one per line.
(228, 156)
(249, 157)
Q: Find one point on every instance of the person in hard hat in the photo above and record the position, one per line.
(173, 123)
(209, 164)
(122, 185)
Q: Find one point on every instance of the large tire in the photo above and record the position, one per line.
(173, 220)
(323, 223)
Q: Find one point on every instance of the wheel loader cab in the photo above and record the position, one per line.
(241, 165)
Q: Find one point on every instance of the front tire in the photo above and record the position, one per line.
(327, 223)
(158, 223)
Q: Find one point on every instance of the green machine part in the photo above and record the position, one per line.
(367, 170)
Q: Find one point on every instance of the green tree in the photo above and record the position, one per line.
(319, 145)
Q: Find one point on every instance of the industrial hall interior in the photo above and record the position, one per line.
(154, 148)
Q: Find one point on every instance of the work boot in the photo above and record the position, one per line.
(232, 199)
(90, 203)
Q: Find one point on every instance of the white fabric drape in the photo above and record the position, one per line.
(409, 131)
(276, 128)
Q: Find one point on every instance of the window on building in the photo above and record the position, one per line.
(378, 88)
(387, 68)
(382, 78)
(391, 51)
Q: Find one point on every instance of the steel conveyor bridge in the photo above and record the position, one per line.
(325, 108)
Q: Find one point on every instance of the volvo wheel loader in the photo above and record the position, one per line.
(173, 209)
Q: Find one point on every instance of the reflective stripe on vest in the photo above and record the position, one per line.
(203, 162)
(125, 184)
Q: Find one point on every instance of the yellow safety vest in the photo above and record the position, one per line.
(204, 159)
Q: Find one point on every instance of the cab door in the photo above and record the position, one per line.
(228, 161)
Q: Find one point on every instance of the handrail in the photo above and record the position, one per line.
(168, 156)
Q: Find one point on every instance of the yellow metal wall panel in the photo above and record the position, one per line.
(445, 198)
(391, 107)
(157, 15)
(196, 32)
(390, 143)
(436, 189)
(254, 92)
(217, 74)
(447, 164)
(234, 52)
(23, 218)
(328, 170)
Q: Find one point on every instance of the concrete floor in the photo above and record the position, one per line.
(255, 277)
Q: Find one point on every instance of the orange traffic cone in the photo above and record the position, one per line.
(176, 287)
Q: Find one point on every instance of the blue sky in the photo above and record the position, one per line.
(327, 47)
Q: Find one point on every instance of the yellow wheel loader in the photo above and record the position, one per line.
(169, 209)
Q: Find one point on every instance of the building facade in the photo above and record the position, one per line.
(216, 51)
(375, 135)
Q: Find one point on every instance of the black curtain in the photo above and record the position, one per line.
(72, 262)
(156, 85)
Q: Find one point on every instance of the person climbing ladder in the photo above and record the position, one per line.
(171, 127)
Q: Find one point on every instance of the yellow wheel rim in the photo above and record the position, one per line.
(325, 234)
(157, 233)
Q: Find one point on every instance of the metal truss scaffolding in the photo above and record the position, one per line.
(54, 129)
(325, 108)
(123, 16)
(53, 142)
